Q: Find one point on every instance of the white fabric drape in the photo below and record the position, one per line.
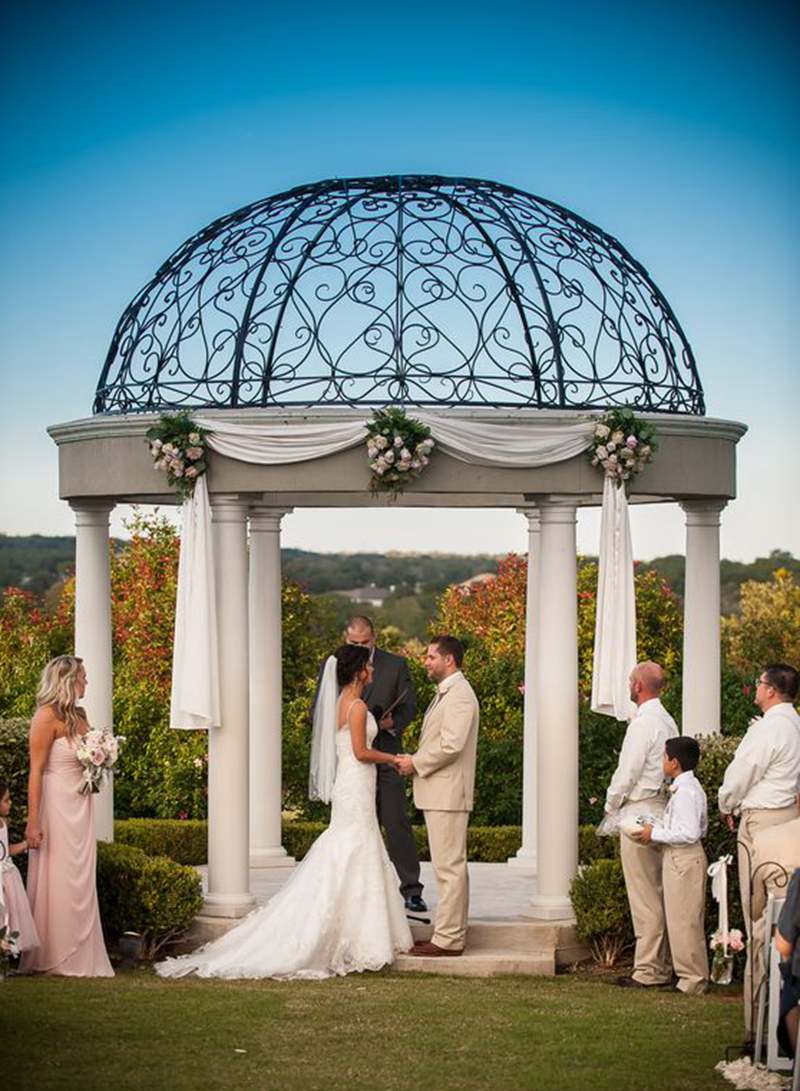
(615, 624)
(718, 871)
(195, 680)
(195, 661)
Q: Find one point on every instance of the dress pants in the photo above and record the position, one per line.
(684, 885)
(641, 866)
(393, 816)
(447, 837)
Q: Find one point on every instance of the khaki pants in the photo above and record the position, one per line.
(447, 837)
(641, 866)
(684, 886)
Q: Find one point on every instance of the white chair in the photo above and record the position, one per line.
(769, 996)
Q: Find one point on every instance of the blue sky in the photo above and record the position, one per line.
(128, 127)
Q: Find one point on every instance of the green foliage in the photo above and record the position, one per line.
(29, 637)
(592, 848)
(34, 561)
(601, 910)
(184, 841)
(767, 629)
(178, 447)
(14, 770)
(151, 895)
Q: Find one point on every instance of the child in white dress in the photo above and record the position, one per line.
(15, 910)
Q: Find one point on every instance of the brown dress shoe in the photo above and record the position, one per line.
(433, 950)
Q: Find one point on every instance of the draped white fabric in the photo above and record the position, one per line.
(195, 662)
(195, 681)
(615, 624)
(322, 766)
(718, 871)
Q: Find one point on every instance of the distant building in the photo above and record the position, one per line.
(477, 580)
(374, 596)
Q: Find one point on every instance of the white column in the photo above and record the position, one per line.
(266, 706)
(525, 859)
(556, 713)
(701, 618)
(93, 633)
(228, 745)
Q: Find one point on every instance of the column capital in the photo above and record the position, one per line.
(703, 513)
(531, 513)
(228, 508)
(265, 518)
(92, 513)
(557, 510)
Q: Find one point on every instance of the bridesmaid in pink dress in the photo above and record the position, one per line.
(60, 833)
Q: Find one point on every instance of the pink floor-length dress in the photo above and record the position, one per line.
(62, 886)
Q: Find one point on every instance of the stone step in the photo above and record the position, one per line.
(520, 937)
(481, 963)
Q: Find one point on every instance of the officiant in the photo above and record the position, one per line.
(392, 701)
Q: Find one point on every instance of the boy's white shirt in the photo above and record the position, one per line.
(686, 815)
(765, 771)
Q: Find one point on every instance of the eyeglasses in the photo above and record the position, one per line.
(763, 682)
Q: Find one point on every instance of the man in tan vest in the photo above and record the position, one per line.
(443, 769)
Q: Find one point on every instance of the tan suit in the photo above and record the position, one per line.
(776, 854)
(444, 786)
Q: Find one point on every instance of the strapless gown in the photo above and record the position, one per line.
(341, 910)
(62, 885)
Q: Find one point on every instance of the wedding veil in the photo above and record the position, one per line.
(322, 767)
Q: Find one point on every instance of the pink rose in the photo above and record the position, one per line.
(632, 442)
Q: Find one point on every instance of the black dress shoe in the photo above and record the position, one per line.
(416, 904)
(632, 983)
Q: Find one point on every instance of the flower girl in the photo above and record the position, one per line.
(15, 911)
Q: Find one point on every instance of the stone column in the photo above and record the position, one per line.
(701, 618)
(228, 745)
(556, 713)
(525, 859)
(266, 707)
(93, 633)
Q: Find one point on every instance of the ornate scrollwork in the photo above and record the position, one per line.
(408, 290)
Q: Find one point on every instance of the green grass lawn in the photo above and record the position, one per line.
(378, 1032)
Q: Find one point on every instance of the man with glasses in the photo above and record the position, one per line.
(390, 698)
(762, 782)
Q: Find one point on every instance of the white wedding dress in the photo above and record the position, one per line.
(340, 912)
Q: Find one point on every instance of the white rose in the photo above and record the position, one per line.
(602, 453)
(398, 441)
(381, 442)
(618, 437)
(405, 454)
(389, 456)
(601, 431)
(194, 438)
(611, 445)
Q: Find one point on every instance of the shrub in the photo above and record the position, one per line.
(29, 637)
(767, 629)
(14, 770)
(151, 895)
(185, 842)
(492, 844)
(592, 848)
(601, 910)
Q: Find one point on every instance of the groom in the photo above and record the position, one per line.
(443, 769)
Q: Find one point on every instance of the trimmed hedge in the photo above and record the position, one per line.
(185, 841)
(601, 910)
(151, 895)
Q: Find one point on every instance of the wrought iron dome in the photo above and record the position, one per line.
(403, 290)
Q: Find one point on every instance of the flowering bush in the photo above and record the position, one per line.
(622, 445)
(767, 627)
(399, 449)
(29, 637)
(178, 447)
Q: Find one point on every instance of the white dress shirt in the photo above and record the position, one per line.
(765, 771)
(640, 772)
(686, 816)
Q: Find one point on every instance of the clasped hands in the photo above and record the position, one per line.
(403, 764)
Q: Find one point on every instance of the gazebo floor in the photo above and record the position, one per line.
(501, 939)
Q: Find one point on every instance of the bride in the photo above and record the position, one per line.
(341, 910)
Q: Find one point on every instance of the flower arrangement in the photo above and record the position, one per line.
(724, 945)
(622, 445)
(97, 752)
(399, 449)
(178, 447)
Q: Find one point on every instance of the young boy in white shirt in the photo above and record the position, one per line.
(684, 863)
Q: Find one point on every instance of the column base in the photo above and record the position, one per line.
(550, 907)
(523, 862)
(228, 905)
(271, 858)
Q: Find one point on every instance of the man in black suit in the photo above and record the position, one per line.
(391, 683)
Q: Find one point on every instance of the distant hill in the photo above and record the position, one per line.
(36, 562)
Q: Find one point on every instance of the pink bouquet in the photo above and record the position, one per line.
(97, 752)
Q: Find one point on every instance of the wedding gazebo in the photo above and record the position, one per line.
(508, 324)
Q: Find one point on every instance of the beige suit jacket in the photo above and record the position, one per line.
(778, 845)
(444, 763)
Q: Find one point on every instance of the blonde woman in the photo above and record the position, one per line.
(60, 833)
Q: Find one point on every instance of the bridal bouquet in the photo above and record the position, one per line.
(97, 752)
(399, 449)
(622, 445)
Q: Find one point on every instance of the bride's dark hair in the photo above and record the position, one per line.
(350, 661)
